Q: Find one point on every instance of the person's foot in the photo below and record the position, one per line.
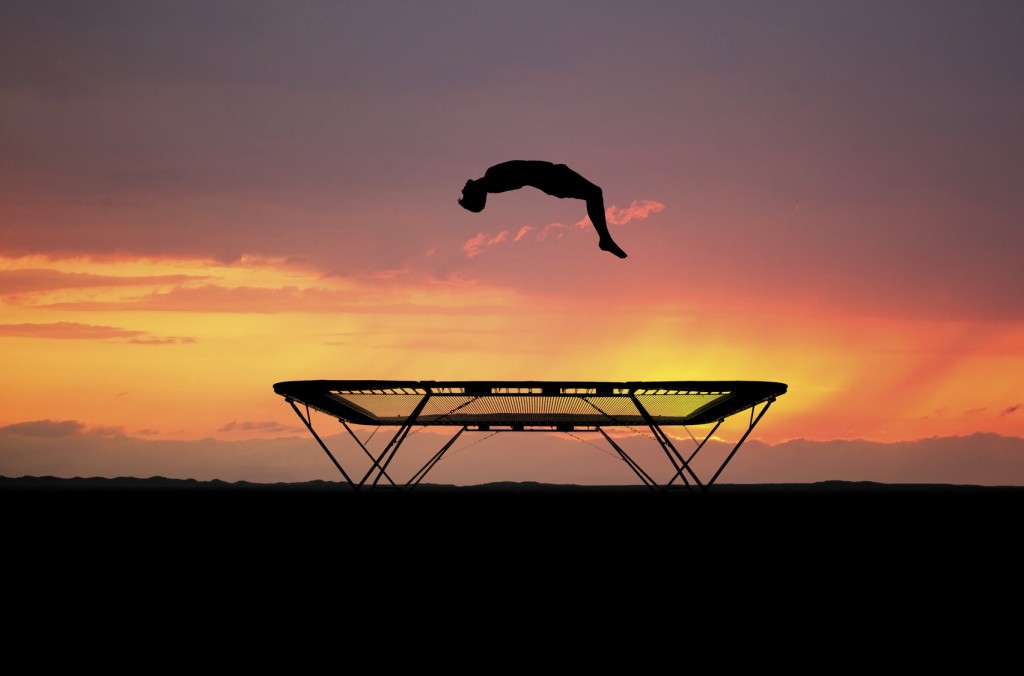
(612, 247)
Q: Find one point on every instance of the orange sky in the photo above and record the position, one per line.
(186, 347)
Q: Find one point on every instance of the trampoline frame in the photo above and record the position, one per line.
(536, 411)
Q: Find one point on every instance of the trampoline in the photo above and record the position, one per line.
(529, 406)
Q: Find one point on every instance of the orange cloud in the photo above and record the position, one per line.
(637, 210)
(76, 331)
(44, 428)
(549, 228)
(162, 341)
(68, 448)
(37, 280)
(261, 300)
(475, 245)
(214, 298)
(107, 430)
(260, 426)
(250, 286)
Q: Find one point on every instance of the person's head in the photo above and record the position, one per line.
(474, 197)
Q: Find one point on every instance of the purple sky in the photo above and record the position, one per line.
(872, 147)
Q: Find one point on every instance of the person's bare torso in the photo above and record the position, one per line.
(557, 180)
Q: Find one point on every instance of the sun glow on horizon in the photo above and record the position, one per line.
(189, 348)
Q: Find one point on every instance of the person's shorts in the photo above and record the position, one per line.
(566, 183)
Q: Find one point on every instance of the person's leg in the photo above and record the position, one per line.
(563, 182)
(595, 209)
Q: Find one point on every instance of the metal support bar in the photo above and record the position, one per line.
(696, 450)
(429, 465)
(683, 468)
(366, 450)
(309, 426)
(396, 441)
(644, 477)
(750, 429)
(666, 443)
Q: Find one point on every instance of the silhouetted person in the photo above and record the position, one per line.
(557, 180)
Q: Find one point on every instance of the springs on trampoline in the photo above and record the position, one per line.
(456, 451)
(599, 448)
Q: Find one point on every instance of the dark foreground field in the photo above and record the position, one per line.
(817, 507)
(817, 548)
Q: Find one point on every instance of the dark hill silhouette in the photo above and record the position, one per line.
(165, 484)
(545, 531)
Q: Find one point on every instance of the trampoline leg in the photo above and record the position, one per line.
(644, 477)
(419, 476)
(309, 426)
(753, 423)
(392, 448)
(366, 451)
(694, 454)
(666, 444)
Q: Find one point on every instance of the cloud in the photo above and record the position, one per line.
(171, 340)
(637, 210)
(37, 280)
(482, 241)
(253, 285)
(107, 431)
(48, 429)
(475, 244)
(258, 426)
(67, 331)
(210, 297)
(980, 459)
(76, 331)
(66, 448)
(1011, 409)
(266, 300)
(83, 453)
(549, 228)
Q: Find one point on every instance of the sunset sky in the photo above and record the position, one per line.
(201, 199)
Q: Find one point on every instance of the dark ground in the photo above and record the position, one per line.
(823, 512)
(16, 485)
(842, 563)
